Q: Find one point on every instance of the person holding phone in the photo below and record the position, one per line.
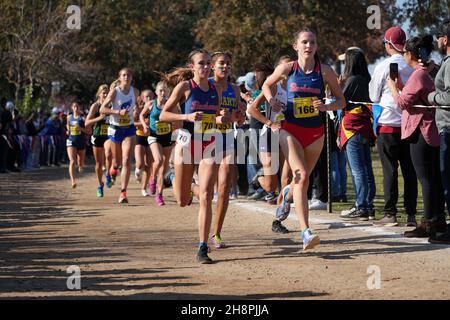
(419, 128)
(392, 149)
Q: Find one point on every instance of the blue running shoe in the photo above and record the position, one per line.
(100, 192)
(284, 208)
(109, 182)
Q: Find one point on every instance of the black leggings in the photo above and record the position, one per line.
(425, 159)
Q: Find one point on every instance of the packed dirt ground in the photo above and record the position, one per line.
(142, 251)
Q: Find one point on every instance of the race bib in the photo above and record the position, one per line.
(68, 143)
(224, 127)
(303, 108)
(75, 131)
(184, 137)
(124, 120)
(208, 122)
(104, 129)
(111, 131)
(162, 128)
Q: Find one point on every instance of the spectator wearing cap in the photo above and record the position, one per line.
(441, 97)
(391, 148)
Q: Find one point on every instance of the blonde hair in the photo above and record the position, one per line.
(101, 88)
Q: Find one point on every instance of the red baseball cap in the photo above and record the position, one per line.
(396, 37)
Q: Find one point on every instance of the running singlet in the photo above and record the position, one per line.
(158, 128)
(123, 101)
(101, 127)
(206, 102)
(75, 134)
(280, 96)
(228, 103)
(302, 89)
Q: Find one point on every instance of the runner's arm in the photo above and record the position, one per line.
(105, 109)
(90, 120)
(253, 109)
(142, 115)
(331, 79)
(280, 71)
(169, 114)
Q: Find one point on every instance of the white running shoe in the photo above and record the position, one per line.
(309, 240)
(316, 204)
(284, 208)
(145, 193)
(138, 175)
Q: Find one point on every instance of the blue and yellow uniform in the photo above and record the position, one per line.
(77, 138)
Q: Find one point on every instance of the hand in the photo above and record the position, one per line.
(428, 68)
(319, 105)
(225, 113)
(392, 84)
(246, 97)
(195, 116)
(275, 104)
(224, 117)
(274, 126)
(123, 112)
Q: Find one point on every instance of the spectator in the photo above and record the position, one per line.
(33, 128)
(356, 135)
(419, 127)
(392, 149)
(441, 97)
(5, 122)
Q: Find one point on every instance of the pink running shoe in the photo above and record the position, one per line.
(152, 186)
(159, 200)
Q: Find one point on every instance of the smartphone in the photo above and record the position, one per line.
(423, 55)
(393, 71)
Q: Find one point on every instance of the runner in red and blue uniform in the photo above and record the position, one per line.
(302, 131)
(200, 102)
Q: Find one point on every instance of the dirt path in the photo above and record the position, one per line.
(142, 251)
